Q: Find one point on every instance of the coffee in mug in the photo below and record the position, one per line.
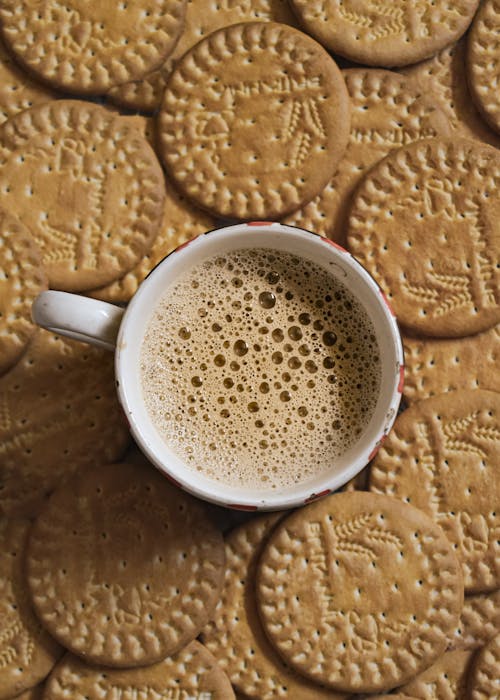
(259, 365)
(259, 368)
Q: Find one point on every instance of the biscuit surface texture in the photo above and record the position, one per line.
(424, 222)
(254, 120)
(202, 18)
(28, 653)
(484, 682)
(359, 591)
(58, 413)
(442, 456)
(385, 32)
(436, 365)
(388, 111)
(123, 568)
(479, 621)
(442, 79)
(89, 47)
(483, 61)
(236, 637)
(181, 222)
(21, 280)
(86, 184)
(446, 679)
(191, 673)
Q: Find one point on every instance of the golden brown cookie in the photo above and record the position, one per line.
(202, 18)
(436, 365)
(191, 673)
(17, 90)
(388, 111)
(442, 79)
(87, 48)
(359, 591)
(483, 61)
(86, 184)
(22, 278)
(235, 636)
(424, 223)
(484, 681)
(254, 120)
(479, 621)
(442, 456)
(58, 413)
(27, 652)
(385, 32)
(181, 222)
(446, 679)
(124, 569)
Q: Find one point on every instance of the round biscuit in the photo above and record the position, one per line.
(442, 456)
(86, 48)
(446, 679)
(87, 185)
(442, 79)
(359, 591)
(425, 223)
(22, 278)
(191, 673)
(124, 569)
(479, 621)
(202, 18)
(58, 413)
(484, 681)
(436, 365)
(254, 120)
(27, 652)
(181, 222)
(388, 111)
(483, 61)
(235, 636)
(385, 32)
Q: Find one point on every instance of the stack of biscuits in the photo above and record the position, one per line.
(128, 127)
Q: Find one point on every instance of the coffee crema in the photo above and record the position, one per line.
(259, 369)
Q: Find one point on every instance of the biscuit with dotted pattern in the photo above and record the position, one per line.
(424, 223)
(86, 48)
(191, 673)
(87, 185)
(484, 681)
(385, 32)
(436, 365)
(388, 111)
(254, 121)
(479, 621)
(202, 18)
(58, 413)
(483, 61)
(359, 591)
(446, 679)
(442, 456)
(124, 569)
(27, 652)
(22, 278)
(236, 637)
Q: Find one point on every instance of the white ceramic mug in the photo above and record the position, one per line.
(122, 330)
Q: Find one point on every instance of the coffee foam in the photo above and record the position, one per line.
(259, 369)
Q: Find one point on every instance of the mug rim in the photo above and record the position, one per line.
(272, 500)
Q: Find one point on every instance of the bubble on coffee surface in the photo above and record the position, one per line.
(259, 369)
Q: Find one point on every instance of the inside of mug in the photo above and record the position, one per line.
(338, 263)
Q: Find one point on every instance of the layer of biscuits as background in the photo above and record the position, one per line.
(58, 410)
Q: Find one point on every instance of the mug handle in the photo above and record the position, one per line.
(77, 317)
